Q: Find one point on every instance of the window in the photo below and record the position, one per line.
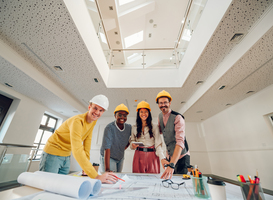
(133, 39)
(122, 2)
(46, 129)
(5, 103)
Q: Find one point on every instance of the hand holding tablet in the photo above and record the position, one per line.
(138, 143)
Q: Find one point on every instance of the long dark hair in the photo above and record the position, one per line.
(149, 124)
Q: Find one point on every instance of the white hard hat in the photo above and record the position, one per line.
(101, 101)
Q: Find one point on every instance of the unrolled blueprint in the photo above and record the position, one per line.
(150, 186)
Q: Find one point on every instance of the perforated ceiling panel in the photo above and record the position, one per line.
(253, 72)
(239, 18)
(43, 32)
(27, 86)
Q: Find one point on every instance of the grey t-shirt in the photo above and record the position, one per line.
(115, 140)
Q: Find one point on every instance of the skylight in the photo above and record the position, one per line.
(186, 35)
(103, 38)
(134, 57)
(133, 39)
(122, 2)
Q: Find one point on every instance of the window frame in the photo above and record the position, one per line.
(43, 128)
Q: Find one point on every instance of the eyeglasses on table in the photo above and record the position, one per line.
(166, 183)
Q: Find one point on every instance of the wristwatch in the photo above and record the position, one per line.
(171, 165)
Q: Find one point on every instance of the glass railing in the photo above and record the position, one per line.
(154, 58)
(95, 17)
(143, 59)
(14, 159)
(188, 26)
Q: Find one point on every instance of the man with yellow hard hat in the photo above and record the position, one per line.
(115, 141)
(172, 126)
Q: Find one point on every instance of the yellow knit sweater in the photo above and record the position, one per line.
(74, 135)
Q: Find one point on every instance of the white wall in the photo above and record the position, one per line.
(240, 139)
(197, 145)
(25, 122)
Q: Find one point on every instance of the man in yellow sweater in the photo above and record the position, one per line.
(75, 135)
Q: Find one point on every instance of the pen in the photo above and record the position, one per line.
(201, 184)
(119, 178)
(197, 180)
(242, 178)
(250, 180)
(239, 179)
(195, 174)
(256, 192)
(250, 188)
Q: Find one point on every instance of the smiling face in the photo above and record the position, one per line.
(164, 104)
(143, 114)
(94, 112)
(121, 117)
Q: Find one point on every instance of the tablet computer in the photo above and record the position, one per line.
(138, 143)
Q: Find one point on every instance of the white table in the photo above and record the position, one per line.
(233, 191)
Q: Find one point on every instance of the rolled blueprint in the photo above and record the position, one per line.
(72, 186)
(95, 183)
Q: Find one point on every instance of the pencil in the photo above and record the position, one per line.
(119, 178)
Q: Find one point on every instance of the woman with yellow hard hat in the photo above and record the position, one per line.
(146, 140)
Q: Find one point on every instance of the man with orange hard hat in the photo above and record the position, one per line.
(172, 126)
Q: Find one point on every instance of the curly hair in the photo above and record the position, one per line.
(149, 124)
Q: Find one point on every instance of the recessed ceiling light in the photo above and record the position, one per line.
(117, 42)
(96, 80)
(228, 104)
(8, 85)
(111, 8)
(58, 68)
(183, 102)
(249, 92)
(151, 21)
(222, 87)
(199, 111)
(199, 82)
(116, 32)
(155, 25)
(237, 37)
